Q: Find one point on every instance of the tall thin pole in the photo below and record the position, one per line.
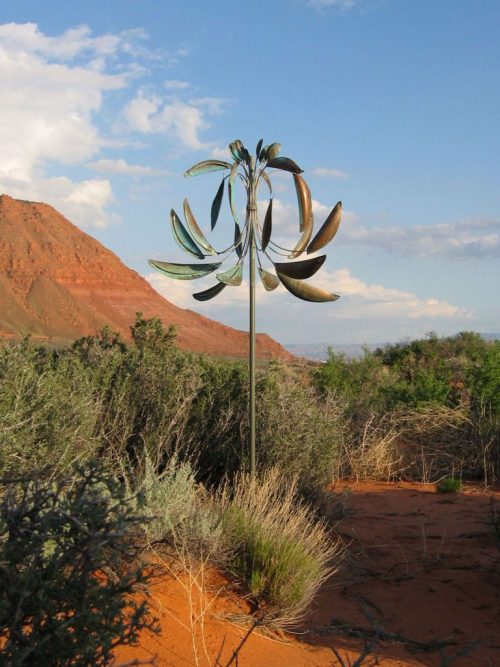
(252, 207)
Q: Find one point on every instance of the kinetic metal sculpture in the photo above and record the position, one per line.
(254, 239)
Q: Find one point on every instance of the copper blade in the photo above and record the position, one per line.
(195, 230)
(328, 229)
(304, 268)
(209, 293)
(267, 227)
(207, 166)
(305, 291)
(269, 280)
(183, 271)
(216, 204)
(306, 216)
(183, 238)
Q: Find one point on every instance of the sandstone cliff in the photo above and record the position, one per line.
(56, 282)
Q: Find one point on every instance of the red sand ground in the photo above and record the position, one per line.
(422, 565)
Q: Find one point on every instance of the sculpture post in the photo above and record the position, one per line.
(253, 240)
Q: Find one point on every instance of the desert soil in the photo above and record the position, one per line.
(421, 583)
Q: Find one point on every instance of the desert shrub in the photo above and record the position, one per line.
(420, 409)
(218, 419)
(298, 432)
(294, 429)
(146, 390)
(183, 514)
(280, 549)
(48, 413)
(356, 380)
(126, 403)
(448, 485)
(66, 573)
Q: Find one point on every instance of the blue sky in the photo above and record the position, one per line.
(392, 106)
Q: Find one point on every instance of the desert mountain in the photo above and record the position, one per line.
(56, 282)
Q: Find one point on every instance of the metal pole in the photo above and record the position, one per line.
(252, 209)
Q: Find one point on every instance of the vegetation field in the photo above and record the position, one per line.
(115, 455)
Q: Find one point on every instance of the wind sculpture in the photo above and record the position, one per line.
(252, 239)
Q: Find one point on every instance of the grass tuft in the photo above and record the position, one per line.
(449, 485)
(280, 549)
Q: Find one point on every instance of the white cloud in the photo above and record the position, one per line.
(47, 116)
(84, 203)
(179, 120)
(327, 172)
(359, 301)
(221, 153)
(214, 105)
(175, 84)
(121, 167)
(464, 239)
(54, 91)
(370, 301)
(24, 38)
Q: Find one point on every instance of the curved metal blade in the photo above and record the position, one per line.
(230, 190)
(238, 240)
(183, 271)
(286, 164)
(328, 230)
(269, 280)
(207, 166)
(235, 148)
(305, 203)
(268, 181)
(306, 216)
(273, 151)
(304, 268)
(209, 293)
(305, 291)
(232, 276)
(259, 146)
(193, 227)
(216, 204)
(268, 225)
(183, 238)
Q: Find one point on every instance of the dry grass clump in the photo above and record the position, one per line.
(436, 441)
(424, 444)
(255, 528)
(373, 452)
(280, 549)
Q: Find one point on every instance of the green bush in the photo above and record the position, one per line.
(66, 572)
(48, 412)
(448, 485)
(297, 431)
(183, 513)
(423, 407)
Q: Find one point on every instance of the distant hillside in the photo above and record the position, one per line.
(58, 283)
